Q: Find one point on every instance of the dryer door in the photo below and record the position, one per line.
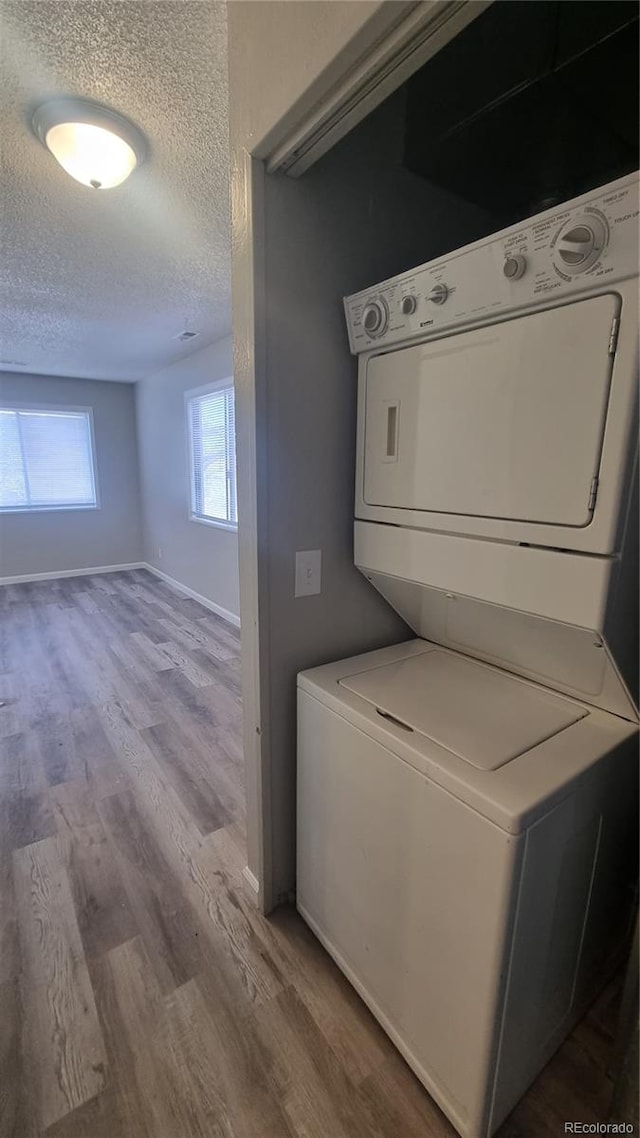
(500, 422)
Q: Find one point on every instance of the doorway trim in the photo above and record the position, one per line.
(404, 48)
(397, 40)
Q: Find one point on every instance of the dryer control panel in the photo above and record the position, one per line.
(579, 246)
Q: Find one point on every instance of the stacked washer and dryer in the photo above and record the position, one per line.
(467, 800)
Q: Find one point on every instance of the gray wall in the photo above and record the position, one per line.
(200, 556)
(47, 542)
(354, 219)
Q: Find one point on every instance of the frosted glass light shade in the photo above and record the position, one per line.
(91, 154)
(94, 144)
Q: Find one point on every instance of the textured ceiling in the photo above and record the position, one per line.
(96, 283)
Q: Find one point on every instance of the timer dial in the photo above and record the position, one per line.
(438, 294)
(375, 317)
(579, 244)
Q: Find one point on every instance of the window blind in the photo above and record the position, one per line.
(213, 456)
(46, 460)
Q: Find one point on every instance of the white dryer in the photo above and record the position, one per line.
(467, 800)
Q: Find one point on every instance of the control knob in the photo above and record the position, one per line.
(438, 294)
(409, 304)
(579, 244)
(515, 266)
(375, 317)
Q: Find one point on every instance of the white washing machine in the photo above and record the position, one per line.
(467, 800)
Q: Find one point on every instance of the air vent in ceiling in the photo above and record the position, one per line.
(185, 336)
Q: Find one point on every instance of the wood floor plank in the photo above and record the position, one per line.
(39, 696)
(102, 583)
(224, 633)
(17, 1116)
(88, 640)
(343, 1019)
(99, 762)
(221, 1068)
(62, 1030)
(87, 602)
(104, 914)
(242, 937)
(10, 718)
(108, 778)
(105, 676)
(197, 1053)
(224, 673)
(191, 635)
(188, 927)
(65, 673)
(9, 942)
(56, 743)
(151, 652)
(90, 740)
(123, 1102)
(394, 1103)
(128, 616)
(183, 660)
(154, 824)
(25, 818)
(155, 604)
(164, 1107)
(210, 706)
(155, 795)
(317, 1095)
(142, 709)
(131, 660)
(193, 777)
(165, 595)
(25, 814)
(163, 918)
(189, 608)
(21, 770)
(100, 1117)
(154, 609)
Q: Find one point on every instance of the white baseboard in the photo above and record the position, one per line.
(57, 573)
(251, 884)
(95, 569)
(211, 605)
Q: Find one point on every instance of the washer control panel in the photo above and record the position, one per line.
(572, 248)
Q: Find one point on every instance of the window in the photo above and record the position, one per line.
(212, 447)
(46, 460)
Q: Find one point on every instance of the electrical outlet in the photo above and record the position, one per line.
(308, 572)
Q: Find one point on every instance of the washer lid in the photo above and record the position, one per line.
(482, 715)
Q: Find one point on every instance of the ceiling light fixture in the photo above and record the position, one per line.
(95, 145)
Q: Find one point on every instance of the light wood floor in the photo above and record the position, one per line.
(141, 995)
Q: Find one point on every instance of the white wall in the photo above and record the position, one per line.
(54, 541)
(200, 556)
(279, 50)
